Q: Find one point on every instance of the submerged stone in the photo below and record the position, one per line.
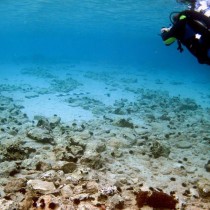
(92, 160)
(7, 204)
(40, 135)
(14, 151)
(66, 191)
(159, 149)
(100, 147)
(204, 188)
(43, 187)
(184, 145)
(14, 185)
(124, 123)
(66, 167)
(207, 166)
(116, 153)
(42, 122)
(54, 121)
(8, 168)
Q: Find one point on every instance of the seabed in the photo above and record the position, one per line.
(90, 138)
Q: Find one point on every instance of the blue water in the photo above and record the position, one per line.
(113, 31)
(118, 32)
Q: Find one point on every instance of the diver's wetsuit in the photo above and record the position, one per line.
(192, 29)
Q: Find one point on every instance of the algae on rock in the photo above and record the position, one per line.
(124, 123)
(14, 151)
(157, 149)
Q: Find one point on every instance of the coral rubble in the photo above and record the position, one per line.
(150, 156)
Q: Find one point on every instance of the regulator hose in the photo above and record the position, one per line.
(171, 16)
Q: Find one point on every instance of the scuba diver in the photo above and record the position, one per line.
(191, 29)
(202, 6)
(191, 3)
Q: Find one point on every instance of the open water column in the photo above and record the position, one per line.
(96, 113)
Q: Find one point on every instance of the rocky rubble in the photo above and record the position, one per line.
(105, 163)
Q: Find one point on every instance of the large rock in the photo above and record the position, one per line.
(116, 202)
(54, 121)
(159, 149)
(14, 185)
(7, 204)
(40, 134)
(64, 154)
(52, 176)
(14, 151)
(100, 147)
(207, 166)
(92, 159)
(184, 145)
(204, 188)
(8, 168)
(66, 167)
(42, 187)
(89, 187)
(66, 191)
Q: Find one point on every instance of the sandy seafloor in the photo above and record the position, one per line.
(84, 136)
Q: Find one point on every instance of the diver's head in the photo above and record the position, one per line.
(174, 17)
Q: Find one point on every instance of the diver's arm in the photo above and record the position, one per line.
(168, 36)
(175, 32)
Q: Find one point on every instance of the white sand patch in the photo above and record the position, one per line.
(106, 84)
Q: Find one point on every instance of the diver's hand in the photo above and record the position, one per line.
(165, 29)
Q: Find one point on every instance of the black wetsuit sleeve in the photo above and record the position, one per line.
(176, 32)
